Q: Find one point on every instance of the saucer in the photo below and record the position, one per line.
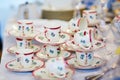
(97, 62)
(13, 49)
(42, 74)
(42, 38)
(15, 66)
(42, 55)
(70, 45)
(16, 34)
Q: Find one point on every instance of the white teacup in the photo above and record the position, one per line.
(23, 43)
(74, 25)
(84, 58)
(25, 27)
(52, 33)
(24, 57)
(116, 22)
(56, 67)
(52, 50)
(90, 15)
(84, 38)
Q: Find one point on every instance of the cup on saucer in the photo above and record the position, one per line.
(84, 38)
(91, 16)
(84, 58)
(56, 67)
(52, 33)
(24, 57)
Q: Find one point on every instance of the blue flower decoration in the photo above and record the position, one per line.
(89, 56)
(82, 56)
(60, 68)
(52, 34)
(26, 60)
(51, 51)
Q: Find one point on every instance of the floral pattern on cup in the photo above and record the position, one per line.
(52, 50)
(90, 15)
(24, 57)
(24, 43)
(84, 58)
(84, 38)
(52, 34)
(25, 27)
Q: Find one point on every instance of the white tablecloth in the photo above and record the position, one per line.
(79, 74)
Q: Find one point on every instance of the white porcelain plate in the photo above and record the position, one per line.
(98, 62)
(16, 34)
(42, 74)
(13, 49)
(15, 66)
(42, 55)
(63, 38)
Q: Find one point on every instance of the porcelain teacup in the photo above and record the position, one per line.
(74, 25)
(84, 58)
(25, 27)
(52, 33)
(84, 38)
(52, 50)
(116, 22)
(23, 43)
(90, 15)
(24, 57)
(56, 67)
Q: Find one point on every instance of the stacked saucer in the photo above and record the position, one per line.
(24, 50)
(52, 38)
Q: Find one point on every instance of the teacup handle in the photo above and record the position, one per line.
(46, 34)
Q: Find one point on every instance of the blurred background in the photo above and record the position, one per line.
(35, 9)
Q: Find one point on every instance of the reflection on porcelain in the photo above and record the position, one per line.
(14, 66)
(13, 49)
(97, 62)
(84, 38)
(90, 15)
(63, 37)
(24, 43)
(24, 57)
(58, 67)
(84, 58)
(25, 27)
(52, 33)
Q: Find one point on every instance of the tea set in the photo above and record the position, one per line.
(60, 52)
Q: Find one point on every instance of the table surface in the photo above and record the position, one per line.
(79, 74)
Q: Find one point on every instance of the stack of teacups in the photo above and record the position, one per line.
(24, 48)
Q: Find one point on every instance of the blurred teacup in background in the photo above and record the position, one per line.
(90, 15)
(58, 67)
(25, 27)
